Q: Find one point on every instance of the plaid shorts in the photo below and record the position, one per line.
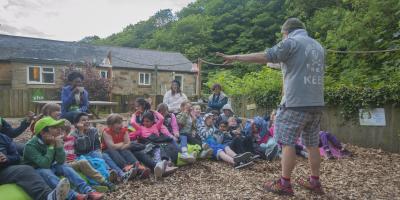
(291, 124)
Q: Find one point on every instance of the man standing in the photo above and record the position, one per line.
(302, 63)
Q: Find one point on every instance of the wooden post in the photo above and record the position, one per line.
(156, 77)
(110, 75)
(198, 81)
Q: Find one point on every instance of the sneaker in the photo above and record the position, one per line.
(277, 188)
(142, 171)
(61, 191)
(111, 186)
(127, 168)
(113, 178)
(159, 169)
(244, 157)
(329, 155)
(345, 152)
(304, 154)
(95, 195)
(169, 170)
(188, 158)
(206, 153)
(81, 197)
(240, 165)
(316, 187)
(254, 157)
(271, 155)
(100, 188)
(129, 175)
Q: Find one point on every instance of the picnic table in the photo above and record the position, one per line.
(93, 106)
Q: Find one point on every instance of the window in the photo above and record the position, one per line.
(103, 74)
(144, 78)
(40, 75)
(179, 77)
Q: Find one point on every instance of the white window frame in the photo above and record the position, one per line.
(41, 72)
(106, 73)
(182, 78)
(144, 76)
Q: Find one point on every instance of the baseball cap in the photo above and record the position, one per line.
(47, 122)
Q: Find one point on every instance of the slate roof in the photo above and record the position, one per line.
(16, 48)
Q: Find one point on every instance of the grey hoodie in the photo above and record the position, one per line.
(303, 63)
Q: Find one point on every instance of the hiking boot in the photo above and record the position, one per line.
(188, 158)
(95, 195)
(113, 178)
(111, 186)
(313, 187)
(142, 171)
(81, 197)
(277, 188)
(61, 191)
(159, 169)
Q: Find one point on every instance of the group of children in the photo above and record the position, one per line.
(152, 142)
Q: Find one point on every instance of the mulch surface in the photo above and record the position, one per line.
(368, 174)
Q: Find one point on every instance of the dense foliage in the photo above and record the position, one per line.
(241, 26)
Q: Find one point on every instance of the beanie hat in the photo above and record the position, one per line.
(292, 24)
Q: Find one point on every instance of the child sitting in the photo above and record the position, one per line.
(189, 128)
(149, 132)
(215, 139)
(171, 126)
(196, 113)
(82, 165)
(117, 144)
(227, 112)
(87, 143)
(331, 146)
(45, 152)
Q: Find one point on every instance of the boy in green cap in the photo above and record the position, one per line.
(45, 152)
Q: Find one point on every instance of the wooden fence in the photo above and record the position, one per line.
(18, 102)
(247, 108)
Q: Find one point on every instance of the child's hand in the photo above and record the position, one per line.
(59, 141)
(3, 158)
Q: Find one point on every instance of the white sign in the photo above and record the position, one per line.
(372, 117)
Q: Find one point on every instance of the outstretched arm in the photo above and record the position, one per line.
(250, 58)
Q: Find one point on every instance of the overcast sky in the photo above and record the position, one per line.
(71, 20)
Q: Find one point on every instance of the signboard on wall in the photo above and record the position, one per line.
(372, 117)
(37, 95)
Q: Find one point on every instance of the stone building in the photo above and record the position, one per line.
(27, 63)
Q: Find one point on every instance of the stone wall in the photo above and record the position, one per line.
(383, 137)
(126, 81)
